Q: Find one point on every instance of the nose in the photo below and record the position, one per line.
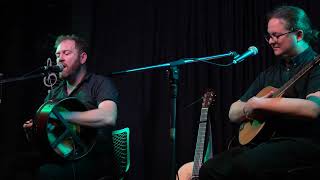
(60, 59)
(271, 41)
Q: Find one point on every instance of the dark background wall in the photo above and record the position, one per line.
(127, 34)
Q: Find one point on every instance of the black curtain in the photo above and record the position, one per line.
(127, 34)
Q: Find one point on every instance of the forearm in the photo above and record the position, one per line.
(92, 118)
(236, 113)
(285, 107)
(105, 114)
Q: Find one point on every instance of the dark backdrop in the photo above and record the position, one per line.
(127, 34)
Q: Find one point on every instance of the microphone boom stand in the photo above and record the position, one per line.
(21, 78)
(173, 75)
(14, 79)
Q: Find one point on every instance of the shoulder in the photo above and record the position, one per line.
(103, 88)
(101, 81)
(99, 77)
(270, 71)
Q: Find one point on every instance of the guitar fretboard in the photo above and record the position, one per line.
(198, 155)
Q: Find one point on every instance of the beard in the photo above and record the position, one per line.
(70, 72)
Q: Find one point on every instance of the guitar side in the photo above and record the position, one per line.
(185, 171)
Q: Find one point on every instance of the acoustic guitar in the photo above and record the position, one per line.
(58, 137)
(251, 129)
(190, 170)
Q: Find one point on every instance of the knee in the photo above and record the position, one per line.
(216, 169)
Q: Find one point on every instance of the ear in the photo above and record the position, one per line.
(300, 35)
(83, 57)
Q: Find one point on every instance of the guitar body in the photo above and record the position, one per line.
(250, 128)
(185, 171)
(59, 138)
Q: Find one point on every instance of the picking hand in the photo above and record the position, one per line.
(28, 124)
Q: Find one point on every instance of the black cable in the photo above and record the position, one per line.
(222, 65)
(194, 102)
(74, 170)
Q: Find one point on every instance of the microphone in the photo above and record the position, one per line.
(252, 50)
(55, 68)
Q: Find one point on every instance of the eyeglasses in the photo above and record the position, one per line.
(275, 37)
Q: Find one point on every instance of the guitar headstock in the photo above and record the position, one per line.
(208, 98)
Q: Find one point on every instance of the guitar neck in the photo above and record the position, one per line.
(198, 155)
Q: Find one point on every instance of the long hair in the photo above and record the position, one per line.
(296, 19)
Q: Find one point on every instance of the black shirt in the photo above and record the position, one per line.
(276, 76)
(91, 91)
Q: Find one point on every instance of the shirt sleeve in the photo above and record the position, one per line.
(106, 90)
(314, 85)
(314, 81)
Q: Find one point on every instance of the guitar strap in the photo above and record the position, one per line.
(209, 152)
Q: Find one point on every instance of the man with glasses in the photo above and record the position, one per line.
(288, 115)
(275, 36)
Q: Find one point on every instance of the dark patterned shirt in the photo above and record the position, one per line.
(276, 76)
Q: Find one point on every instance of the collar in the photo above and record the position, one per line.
(86, 78)
(305, 56)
